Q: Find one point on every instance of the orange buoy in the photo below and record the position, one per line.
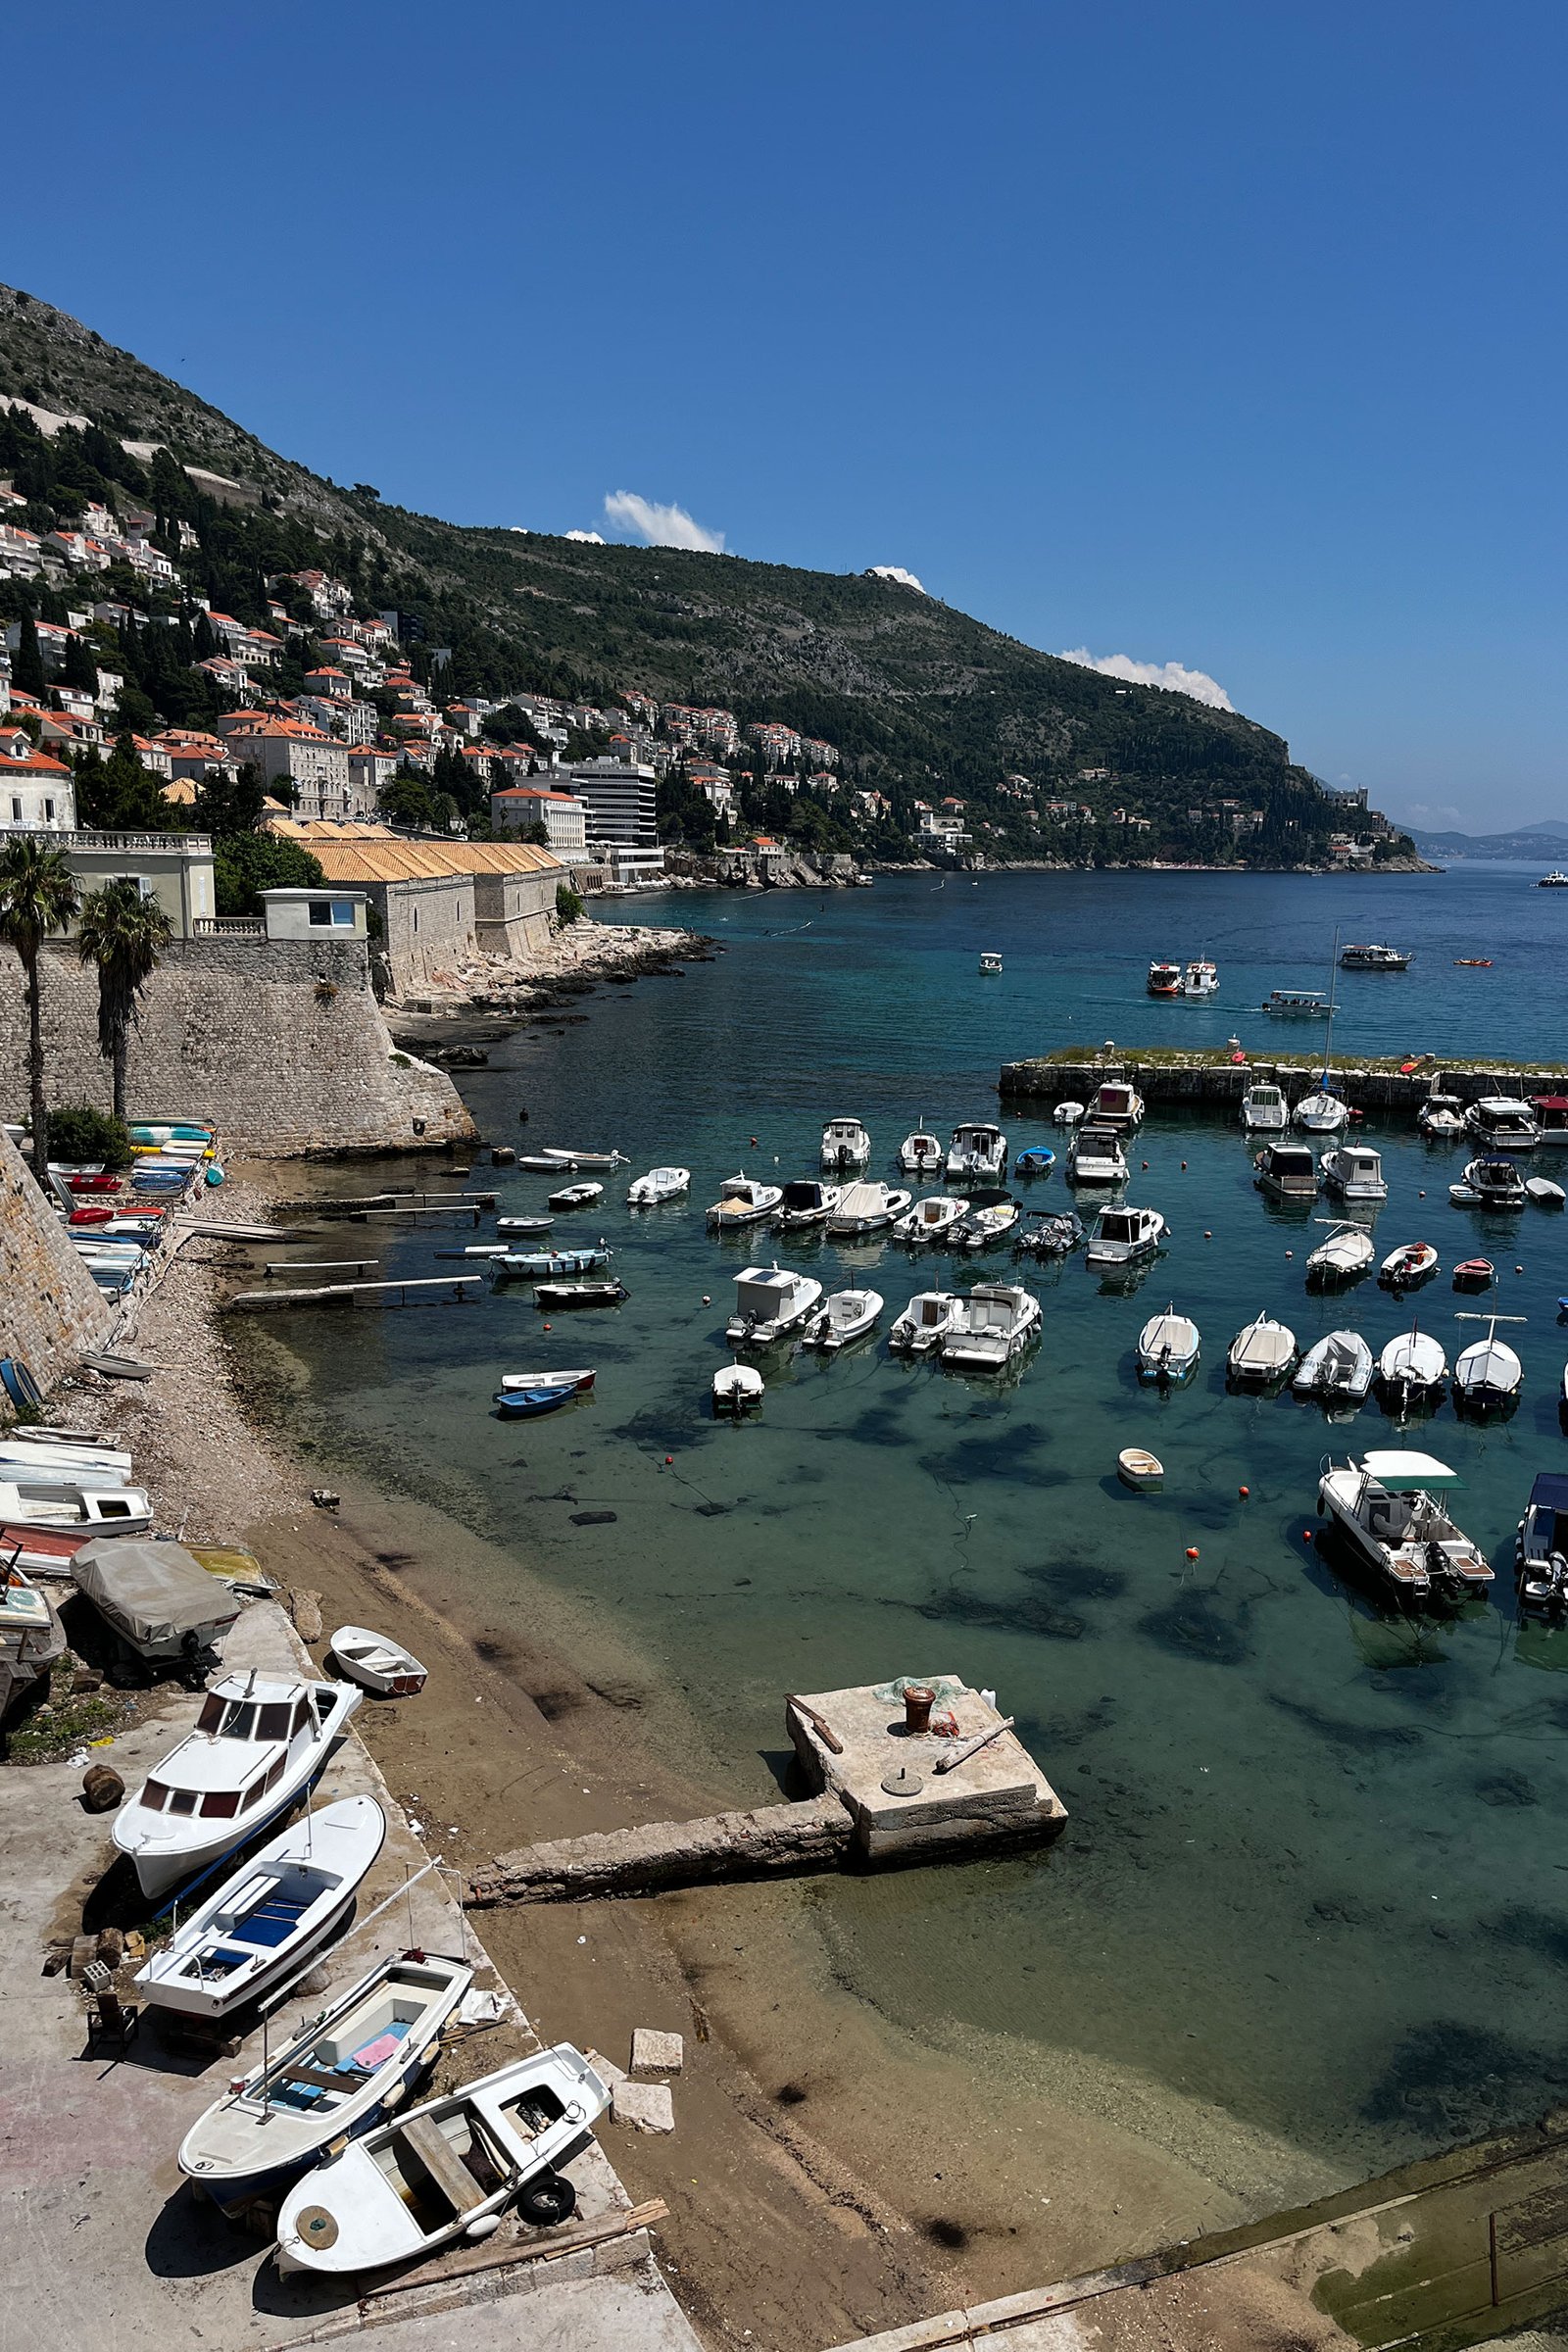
(1244, 1491)
(1191, 1551)
(668, 1458)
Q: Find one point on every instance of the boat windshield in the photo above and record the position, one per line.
(243, 1718)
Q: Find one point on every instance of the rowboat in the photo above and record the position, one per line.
(1410, 1263)
(557, 1296)
(524, 1404)
(379, 1663)
(575, 1384)
(560, 1159)
(576, 1196)
(515, 1228)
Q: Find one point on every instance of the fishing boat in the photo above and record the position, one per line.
(1355, 1172)
(333, 2078)
(658, 1185)
(376, 1662)
(1054, 1232)
(1440, 1118)
(978, 1151)
(1412, 1365)
(1474, 1274)
(1167, 1348)
(31, 1636)
(806, 1202)
(560, 1297)
(260, 1928)
(522, 1228)
(923, 1323)
(1544, 1193)
(1386, 1507)
(1493, 1182)
(743, 1202)
(1287, 1171)
(845, 1145)
(1541, 1548)
(1140, 1469)
(1487, 1373)
(737, 1389)
(770, 1302)
(990, 1217)
(866, 1208)
(530, 1404)
(1374, 958)
(161, 1604)
(529, 1265)
(1067, 1113)
(1117, 1106)
(1551, 1117)
(1298, 1003)
(994, 1323)
(1164, 980)
(1337, 1368)
(1037, 1161)
(1201, 979)
(990, 961)
(560, 1157)
(931, 1219)
(575, 1384)
(1503, 1123)
(1123, 1238)
(1264, 1109)
(1260, 1353)
(70, 1503)
(842, 1317)
(1346, 1253)
(258, 1743)
(1410, 1263)
(1096, 1157)
(921, 1155)
(448, 2169)
(576, 1196)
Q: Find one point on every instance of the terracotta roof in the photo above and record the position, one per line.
(363, 852)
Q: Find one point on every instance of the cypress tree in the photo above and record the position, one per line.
(26, 666)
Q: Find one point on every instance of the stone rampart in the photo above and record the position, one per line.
(51, 1310)
(278, 1044)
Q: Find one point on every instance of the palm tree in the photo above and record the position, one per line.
(123, 933)
(38, 895)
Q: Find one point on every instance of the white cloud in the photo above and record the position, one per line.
(897, 574)
(659, 526)
(1174, 677)
(588, 538)
(521, 529)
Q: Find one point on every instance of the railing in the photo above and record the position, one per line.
(188, 844)
(229, 926)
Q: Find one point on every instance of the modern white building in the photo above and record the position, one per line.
(620, 796)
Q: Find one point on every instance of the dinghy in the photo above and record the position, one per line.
(990, 1217)
(1140, 1469)
(1474, 1274)
(1410, 1263)
(557, 1297)
(866, 1208)
(1055, 1233)
(541, 1163)
(994, 1323)
(842, 1317)
(1261, 1353)
(1167, 1348)
(1412, 1365)
(39, 1552)
(806, 1202)
(845, 1145)
(923, 1322)
(258, 1929)
(1544, 1192)
(448, 2169)
(1067, 1115)
(1386, 1508)
(562, 1159)
(742, 1202)
(521, 1228)
(1337, 1367)
(525, 1404)
(770, 1302)
(1487, 1373)
(660, 1184)
(575, 1384)
(932, 1219)
(529, 1265)
(576, 1196)
(1124, 1238)
(737, 1389)
(1345, 1254)
(339, 2072)
(1037, 1160)
(379, 1663)
(920, 1154)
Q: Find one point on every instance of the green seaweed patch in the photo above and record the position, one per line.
(1453, 2080)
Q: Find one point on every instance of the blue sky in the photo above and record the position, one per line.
(1227, 334)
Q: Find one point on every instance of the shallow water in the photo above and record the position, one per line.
(1316, 1871)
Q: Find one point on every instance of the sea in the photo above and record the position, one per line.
(1315, 1875)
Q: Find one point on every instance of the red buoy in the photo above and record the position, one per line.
(1191, 1551)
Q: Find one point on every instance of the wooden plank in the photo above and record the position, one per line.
(440, 2159)
(345, 1294)
(537, 2249)
(316, 1266)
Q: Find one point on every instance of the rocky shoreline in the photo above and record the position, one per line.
(439, 1023)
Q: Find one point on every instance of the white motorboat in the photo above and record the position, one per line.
(161, 1604)
(990, 1217)
(1343, 1257)
(1386, 1507)
(1262, 1353)
(1374, 958)
(737, 1389)
(1287, 1171)
(990, 961)
(743, 1202)
(770, 1302)
(1503, 1123)
(1201, 979)
(31, 1636)
(560, 1159)
(866, 1208)
(1496, 1183)
(1440, 1118)
(925, 1322)
(446, 2170)
(1167, 1348)
(379, 1663)
(994, 1322)
(1298, 1004)
(845, 1145)
(260, 1928)
(843, 1317)
(66, 1502)
(1067, 1115)
(660, 1184)
(806, 1202)
(1124, 1237)
(1052, 1233)
(1488, 1372)
(1355, 1172)
(1118, 1105)
(337, 2075)
(977, 1151)
(931, 1219)
(1337, 1367)
(1540, 1547)
(1412, 1365)
(1544, 1192)
(576, 1196)
(577, 1383)
(1264, 1109)
(921, 1155)
(26, 1457)
(1323, 1111)
(1410, 1263)
(258, 1743)
(1096, 1157)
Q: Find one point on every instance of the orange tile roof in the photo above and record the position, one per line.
(366, 853)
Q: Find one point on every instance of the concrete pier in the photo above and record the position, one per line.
(670, 1853)
(1045, 1081)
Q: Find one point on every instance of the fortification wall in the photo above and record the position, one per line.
(279, 1044)
(51, 1310)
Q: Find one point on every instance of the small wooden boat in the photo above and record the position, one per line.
(577, 1195)
(842, 1317)
(30, 1455)
(1262, 1353)
(526, 1404)
(517, 1228)
(447, 2169)
(258, 1928)
(737, 1389)
(379, 1663)
(1474, 1274)
(1136, 1467)
(555, 1296)
(119, 1367)
(1410, 1263)
(18, 1384)
(31, 1636)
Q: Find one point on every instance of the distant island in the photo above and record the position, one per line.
(1545, 843)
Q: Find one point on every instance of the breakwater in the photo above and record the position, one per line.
(1188, 1083)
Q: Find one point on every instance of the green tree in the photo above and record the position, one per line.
(81, 669)
(248, 862)
(132, 797)
(124, 935)
(39, 896)
(569, 907)
(26, 663)
(224, 807)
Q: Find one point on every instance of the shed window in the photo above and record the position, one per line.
(15, 808)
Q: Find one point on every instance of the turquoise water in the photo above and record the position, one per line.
(1316, 1871)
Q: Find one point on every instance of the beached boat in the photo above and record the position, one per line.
(1287, 1171)
(866, 1208)
(575, 1384)
(1412, 1365)
(660, 1184)
(1096, 1157)
(258, 1929)
(1346, 1253)
(41, 1550)
(994, 1323)
(1167, 1348)
(522, 1228)
(1490, 1183)
(1261, 1353)
(770, 1302)
(559, 1297)
(532, 1265)
(1201, 979)
(1410, 1263)
(379, 1663)
(931, 1219)
(743, 1202)
(1123, 1238)
(1337, 1368)
(1117, 1106)
(30, 1455)
(541, 1163)
(1544, 1193)
(1355, 1172)
(842, 1317)
(528, 1404)
(737, 1389)
(333, 2079)
(1037, 1161)
(1164, 980)
(921, 1155)
(161, 1603)
(978, 1151)
(447, 2169)
(1541, 1548)
(68, 1502)
(1052, 1233)
(576, 1196)
(258, 1743)
(1503, 1123)
(1440, 1118)
(1264, 1109)
(806, 1202)
(989, 1218)
(31, 1636)
(1067, 1113)
(1386, 1507)
(845, 1145)
(924, 1321)
(1375, 958)
(1487, 1373)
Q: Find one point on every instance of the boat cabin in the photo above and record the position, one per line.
(1551, 1117)
(1289, 1170)
(807, 1198)
(1117, 1104)
(205, 1774)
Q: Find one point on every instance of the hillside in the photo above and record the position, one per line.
(920, 698)
(1547, 841)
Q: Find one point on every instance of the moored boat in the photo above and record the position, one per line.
(1346, 1254)
(1324, 1112)
(845, 1145)
(806, 1202)
(1544, 1193)
(1490, 1182)
(534, 1265)
(522, 1228)
(1487, 1373)
(1287, 1171)
(866, 1208)
(1260, 1353)
(576, 1196)
(770, 1302)
(742, 1201)
(1201, 979)
(921, 1155)
(1117, 1106)
(1167, 1348)
(557, 1297)
(575, 1384)
(1355, 1172)
(1410, 1263)
(842, 1317)
(1541, 1548)
(1337, 1368)
(1474, 1274)
(990, 1217)
(658, 1185)
(1096, 1157)
(1264, 1109)
(978, 1151)
(737, 1389)
(1067, 1113)
(1386, 1508)
(1412, 1365)
(1037, 1161)
(1051, 1233)
(924, 1321)
(1440, 1118)
(994, 1323)
(1164, 980)
(932, 1219)
(1124, 1238)
(1503, 1123)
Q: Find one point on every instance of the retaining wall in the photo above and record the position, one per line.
(51, 1310)
(1220, 1085)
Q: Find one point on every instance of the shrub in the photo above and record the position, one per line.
(78, 1132)
(569, 907)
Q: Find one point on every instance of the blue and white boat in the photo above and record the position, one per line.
(1037, 1160)
(521, 1404)
(533, 1265)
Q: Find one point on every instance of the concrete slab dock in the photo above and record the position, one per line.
(853, 1742)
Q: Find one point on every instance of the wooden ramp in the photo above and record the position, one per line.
(459, 1290)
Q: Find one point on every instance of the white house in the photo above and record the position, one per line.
(563, 817)
(36, 793)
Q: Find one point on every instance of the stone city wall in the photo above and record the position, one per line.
(51, 1310)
